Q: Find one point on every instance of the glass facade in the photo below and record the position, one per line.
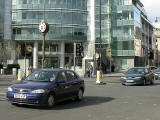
(1, 20)
(67, 19)
(105, 21)
(122, 23)
(122, 28)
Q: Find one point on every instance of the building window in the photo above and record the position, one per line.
(24, 16)
(24, 1)
(125, 45)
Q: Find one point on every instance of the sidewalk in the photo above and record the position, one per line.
(115, 74)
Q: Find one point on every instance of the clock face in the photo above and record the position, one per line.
(42, 27)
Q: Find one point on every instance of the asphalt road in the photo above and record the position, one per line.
(101, 102)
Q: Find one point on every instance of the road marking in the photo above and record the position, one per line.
(89, 115)
(125, 102)
(154, 104)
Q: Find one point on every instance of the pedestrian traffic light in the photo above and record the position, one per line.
(79, 50)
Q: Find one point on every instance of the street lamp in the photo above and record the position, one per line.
(43, 28)
(100, 37)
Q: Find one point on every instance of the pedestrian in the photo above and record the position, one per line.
(90, 71)
(112, 68)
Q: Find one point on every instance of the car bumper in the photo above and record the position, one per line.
(157, 77)
(132, 82)
(31, 99)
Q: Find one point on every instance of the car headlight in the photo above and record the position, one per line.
(155, 74)
(123, 78)
(38, 91)
(10, 89)
(137, 77)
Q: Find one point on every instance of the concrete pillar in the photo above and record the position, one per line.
(13, 54)
(35, 55)
(62, 60)
(91, 28)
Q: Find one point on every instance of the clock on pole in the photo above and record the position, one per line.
(43, 28)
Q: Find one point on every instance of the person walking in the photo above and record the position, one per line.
(90, 71)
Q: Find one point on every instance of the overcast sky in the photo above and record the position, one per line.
(152, 8)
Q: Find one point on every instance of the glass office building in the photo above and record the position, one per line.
(1, 20)
(126, 33)
(5, 28)
(68, 24)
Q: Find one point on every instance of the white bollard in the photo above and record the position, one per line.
(14, 71)
(20, 74)
(99, 77)
(2, 71)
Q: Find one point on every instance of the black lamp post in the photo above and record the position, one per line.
(100, 40)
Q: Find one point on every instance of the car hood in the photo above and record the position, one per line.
(32, 85)
(133, 75)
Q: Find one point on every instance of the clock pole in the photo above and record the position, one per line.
(43, 51)
(43, 28)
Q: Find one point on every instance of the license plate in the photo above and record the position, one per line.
(129, 81)
(20, 96)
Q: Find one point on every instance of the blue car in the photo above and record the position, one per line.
(137, 76)
(46, 87)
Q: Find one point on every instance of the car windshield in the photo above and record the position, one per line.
(158, 69)
(136, 71)
(42, 76)
(153, 68)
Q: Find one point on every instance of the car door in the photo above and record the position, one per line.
(148, 75)
(62, 88)
(73, 82)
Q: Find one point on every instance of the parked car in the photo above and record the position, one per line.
(1, 66)
(157, 74)
(138, 75)
(46, 87)
(153, 68)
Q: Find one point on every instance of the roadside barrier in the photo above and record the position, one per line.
(14, 71)
(20, 74)
(99, 77)
(2, 71)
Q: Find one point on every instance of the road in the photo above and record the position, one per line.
(101, 102)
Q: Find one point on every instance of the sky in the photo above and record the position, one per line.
(152, 8)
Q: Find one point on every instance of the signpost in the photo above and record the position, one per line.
(43, 28)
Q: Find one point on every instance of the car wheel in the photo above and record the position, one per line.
(15, 104)
(152, 81)
(80, 95)
(50, 101)
(123, 84)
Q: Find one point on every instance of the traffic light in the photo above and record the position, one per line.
(23, 50)
(151, 55)
(79, 50)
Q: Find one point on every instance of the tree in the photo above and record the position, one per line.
(1, 52)
(9, 49)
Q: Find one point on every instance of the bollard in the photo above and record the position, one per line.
(2, 71)
(99, 78)
(14, 71)
(28, 73)
(20, 74)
